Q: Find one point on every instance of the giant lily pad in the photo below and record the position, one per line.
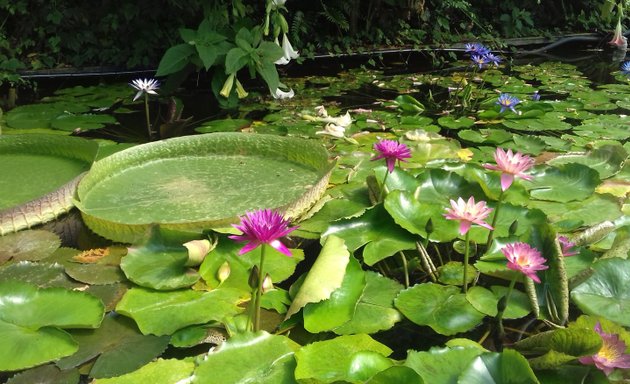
(203, 181)
(38, 176)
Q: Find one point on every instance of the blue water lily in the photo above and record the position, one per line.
(507, 101)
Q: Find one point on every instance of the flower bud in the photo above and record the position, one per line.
(513, 227)
(253, 277)
(267, 284)
(429, 226)
(197, 251)
(224, 272)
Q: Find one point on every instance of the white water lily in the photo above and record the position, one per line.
(342, 121)
(321, 111)
(145, 86)
(280, 94)
(333, 130)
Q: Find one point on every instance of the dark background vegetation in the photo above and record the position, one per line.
(43, 34)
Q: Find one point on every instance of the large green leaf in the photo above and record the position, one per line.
(507, 367)
(31, 318)
(159, 263)
(325, 276)
(38, 176)
(117, 347)
(251, 357)
(330, 360)
(564, 183)
(201, 181)
(375, 310)
(442, 308)
(606, 160)
(175, 59)
(376, 229)
(162, 313)
(46, 374)
(28, 245)
(158, 372)
(607, 292)
(340, 306)
(441, 365)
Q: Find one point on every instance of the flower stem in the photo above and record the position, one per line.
(466, 251)
(494, 220)
(501, 305)
(381, 196)
(405, 268)
(146, 112)
(261, 276)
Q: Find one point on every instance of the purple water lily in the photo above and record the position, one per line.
(263, 227)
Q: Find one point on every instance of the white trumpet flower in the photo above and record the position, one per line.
(281, 95)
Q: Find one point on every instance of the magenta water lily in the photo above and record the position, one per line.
(468, 213)
(263, 227)
(611, 355)
(510, 165)
(506, 101)
(391, 151)
(523, 258)
(567, 246)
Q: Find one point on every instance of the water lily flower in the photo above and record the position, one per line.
(281, 95)
(611, 355)
(535, 96)
(391, 150)
(197, 251)
(507, 101)
(468, 213)
(619, 41)
(479, 60)
(566, 246)
(625, 68)
(510, 165)
(334, 130)
(492, 59)
(524, 258)
(264, 226)
(145, 86)
(476, 48)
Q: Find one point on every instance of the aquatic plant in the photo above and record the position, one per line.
(506, 101)
(611, 355)
(145, 87)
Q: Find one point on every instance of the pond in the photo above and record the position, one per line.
(441, 223)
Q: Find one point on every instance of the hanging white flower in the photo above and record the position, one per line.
(281, 95)
(288, 50)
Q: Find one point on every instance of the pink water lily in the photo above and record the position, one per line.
(510, 165)
(524, 258)
(391, 150)
(567, 246)
(263, 227)
(611, 355)
(468, 213)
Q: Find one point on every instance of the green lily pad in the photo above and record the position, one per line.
(441, 365)
(160, 371)
(443, 308)
(162, 313)
(485, 301)
(198, 182)
(225, 125)
(485, 136)
(38, 176)
(396, 374)
(506, 367)
(40, 115)
(537, 125)
(609, 126)
(251, 357)
(83, 122)
(607, 292)
(46, 374)
(451, 122)
(32, 319)
(564, 183)
(28, 245)
(606, 160)
(117, 347)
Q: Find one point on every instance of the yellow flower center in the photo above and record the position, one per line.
(609, 352)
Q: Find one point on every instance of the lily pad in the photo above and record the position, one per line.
(225, 125)
(38, 176)
(28, 245)
(200, 182)
(158, 372)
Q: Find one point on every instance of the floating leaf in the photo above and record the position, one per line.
(506, 367)
(31, 318)
(441, 365)
(565, 183)
(28, 245)
(158, 372)
(442, 308)
(46, 374)
(607, 292)
(162, 313)
(485, 301)
(254, 357)
(330, 360)
(606, 160)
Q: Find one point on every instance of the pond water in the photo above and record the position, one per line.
(570, 116)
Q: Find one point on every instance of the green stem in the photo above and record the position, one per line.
(146, 112)
(494, 220)
(261, 276)
(466, 251)
(381, 196)
(501, 306)
(405, 268)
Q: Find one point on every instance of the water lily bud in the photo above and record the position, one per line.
(253, 277)
(429, 226)
(197, 251)
(227, 86)
(224, 272)
(240, 91)
(267, 284)
(513, 227)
